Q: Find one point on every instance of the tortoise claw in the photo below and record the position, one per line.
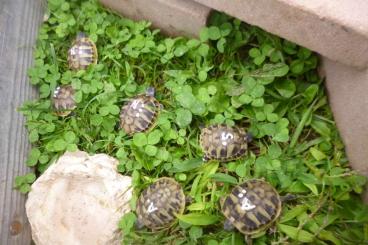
(228, 226)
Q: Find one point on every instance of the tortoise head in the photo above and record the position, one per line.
(81, 35)
(150, 91)
(248, 137)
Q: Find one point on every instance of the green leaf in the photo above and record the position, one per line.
(195, 232)
(254, 52)
(30, 178)
(126, 223)
(33, 136)
(297, 66)
(221, 177)
(140, 139)
(310, 93)
(33, 157)
(70, 136)
(271, 70)
(183, 117)
(295, 233)
(180, 50)
(96, 120)
(186, 99)
(198, 108)
(321, 127)
(241, 170)
(245, 99)
(60, 145)
(317, 154)
(329, 236)
(198, 218)
(163, 154)
(214, 33)
(187, 165)
(293, 212)
(274, 151)
(259, 60)
(203, 50)
(19, 181)
(312, 187)
(72, 147)
(204, 34)
(259, 102)
(257, 91)
(226, 29)
(221, 45)
(25, 188)
(202, 75)
(150, 150)
(286, 88)
(212, 90)
(154, 137)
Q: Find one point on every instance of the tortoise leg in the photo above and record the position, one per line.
(139, 224)
(188, 200)
(205, 158)
(248, 137)
(228, 226)
(288, 197)
(272, 230)
(248, 240)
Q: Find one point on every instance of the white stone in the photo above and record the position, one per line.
(79, 200)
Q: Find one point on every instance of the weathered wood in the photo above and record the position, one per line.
(19, 22)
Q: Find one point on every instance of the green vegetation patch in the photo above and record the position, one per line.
(234, 74)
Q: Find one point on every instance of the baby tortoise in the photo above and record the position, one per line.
(159, 204)
(251, 207)
(223, 143)
(63, 100)
(140, 113)
(82, 53)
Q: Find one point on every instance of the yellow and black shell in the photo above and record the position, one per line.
(159, 204)
(252, 206)
(63, 100)
(82, 53)
(140, 113)
(223, 143)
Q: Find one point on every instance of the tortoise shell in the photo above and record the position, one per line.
(252, 206)
(159, 204)
(63, 100)
(140, 113)
(82, 53)
(223, 143)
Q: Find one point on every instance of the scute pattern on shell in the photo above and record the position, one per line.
(139, 114)
(63, 100)
(252, 206)
(223, 143)
(82, 53)
(159, 204)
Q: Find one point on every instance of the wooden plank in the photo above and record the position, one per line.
(19, 22)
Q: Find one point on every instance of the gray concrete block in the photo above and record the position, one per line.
(335, 29)
(19, 24)
(347, 91)
(174, 17)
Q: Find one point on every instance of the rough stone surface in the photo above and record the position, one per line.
(174, 17)
(79, 199)
(336, 29)
(347, 91)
